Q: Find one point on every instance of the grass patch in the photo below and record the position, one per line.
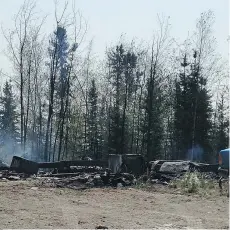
(193, 182)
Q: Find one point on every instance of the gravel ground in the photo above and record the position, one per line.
(22, 205)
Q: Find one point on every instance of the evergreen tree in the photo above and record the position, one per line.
(221, 126)
(8, 116)
(192, 114)
(116, 60)
(62, 56)
(103, 129)
(152, 123)
(58, 94)
(130, 61)
(182, 125)
(201, 112)
(63, 83)
(122, 78)
(93, 121)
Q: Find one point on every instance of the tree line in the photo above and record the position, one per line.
(163, 101)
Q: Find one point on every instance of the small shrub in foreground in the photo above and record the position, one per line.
(193, 182)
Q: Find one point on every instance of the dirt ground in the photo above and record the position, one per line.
(24, 206)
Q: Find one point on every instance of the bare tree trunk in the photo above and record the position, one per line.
(51, 100)
(55, 140)
(48, 126)
(151, 86)
(109, 123)
(139, 114)
(133, 122)
(50, 141)
(28, 103)
(62, 120)
(67, 135)
(123, 121)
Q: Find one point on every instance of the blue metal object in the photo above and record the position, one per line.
(224, 158)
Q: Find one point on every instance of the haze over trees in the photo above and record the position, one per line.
(160, 100)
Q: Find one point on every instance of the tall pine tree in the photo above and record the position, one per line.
(192, 114)
(116, 60)
(221, 125)
(9, 134)
(93, 121)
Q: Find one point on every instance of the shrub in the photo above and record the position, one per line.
(193, 182)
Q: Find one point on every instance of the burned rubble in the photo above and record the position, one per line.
(163, 172)
(83, 174)
(4, 166)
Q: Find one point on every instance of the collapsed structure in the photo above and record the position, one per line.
(118, 171)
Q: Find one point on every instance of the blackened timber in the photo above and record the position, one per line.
(62, 175)
(22, 165)
(62, 164)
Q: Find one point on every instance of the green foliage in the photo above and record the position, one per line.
(220, 138)
(9, 135)
(122, 63)
(8, 115)
(193, 182)
(93, 134)
(153, 122)
(127, 105)
(192, 119)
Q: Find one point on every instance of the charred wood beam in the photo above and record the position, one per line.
(4, 168)
(204, 167)
(62, 164)
(21, 165)
(62, 175)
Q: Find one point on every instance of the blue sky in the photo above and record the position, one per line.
(107, 20)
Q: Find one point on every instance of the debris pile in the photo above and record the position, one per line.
(74, 180)
(82, 174)
(163, 172)
(79, 174)
(10, 175)
(4, 166)
(88, 180)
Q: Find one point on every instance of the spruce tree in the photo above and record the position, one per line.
(122, 64)
(116, 60)
(221, 126)
(152, 126)
(93, 121)
(182, 112)
(8, 116)
(192, 114)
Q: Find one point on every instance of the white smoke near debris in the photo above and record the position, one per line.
(195, 153)
(9, 148)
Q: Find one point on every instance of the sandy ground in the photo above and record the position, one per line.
(25, 206)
